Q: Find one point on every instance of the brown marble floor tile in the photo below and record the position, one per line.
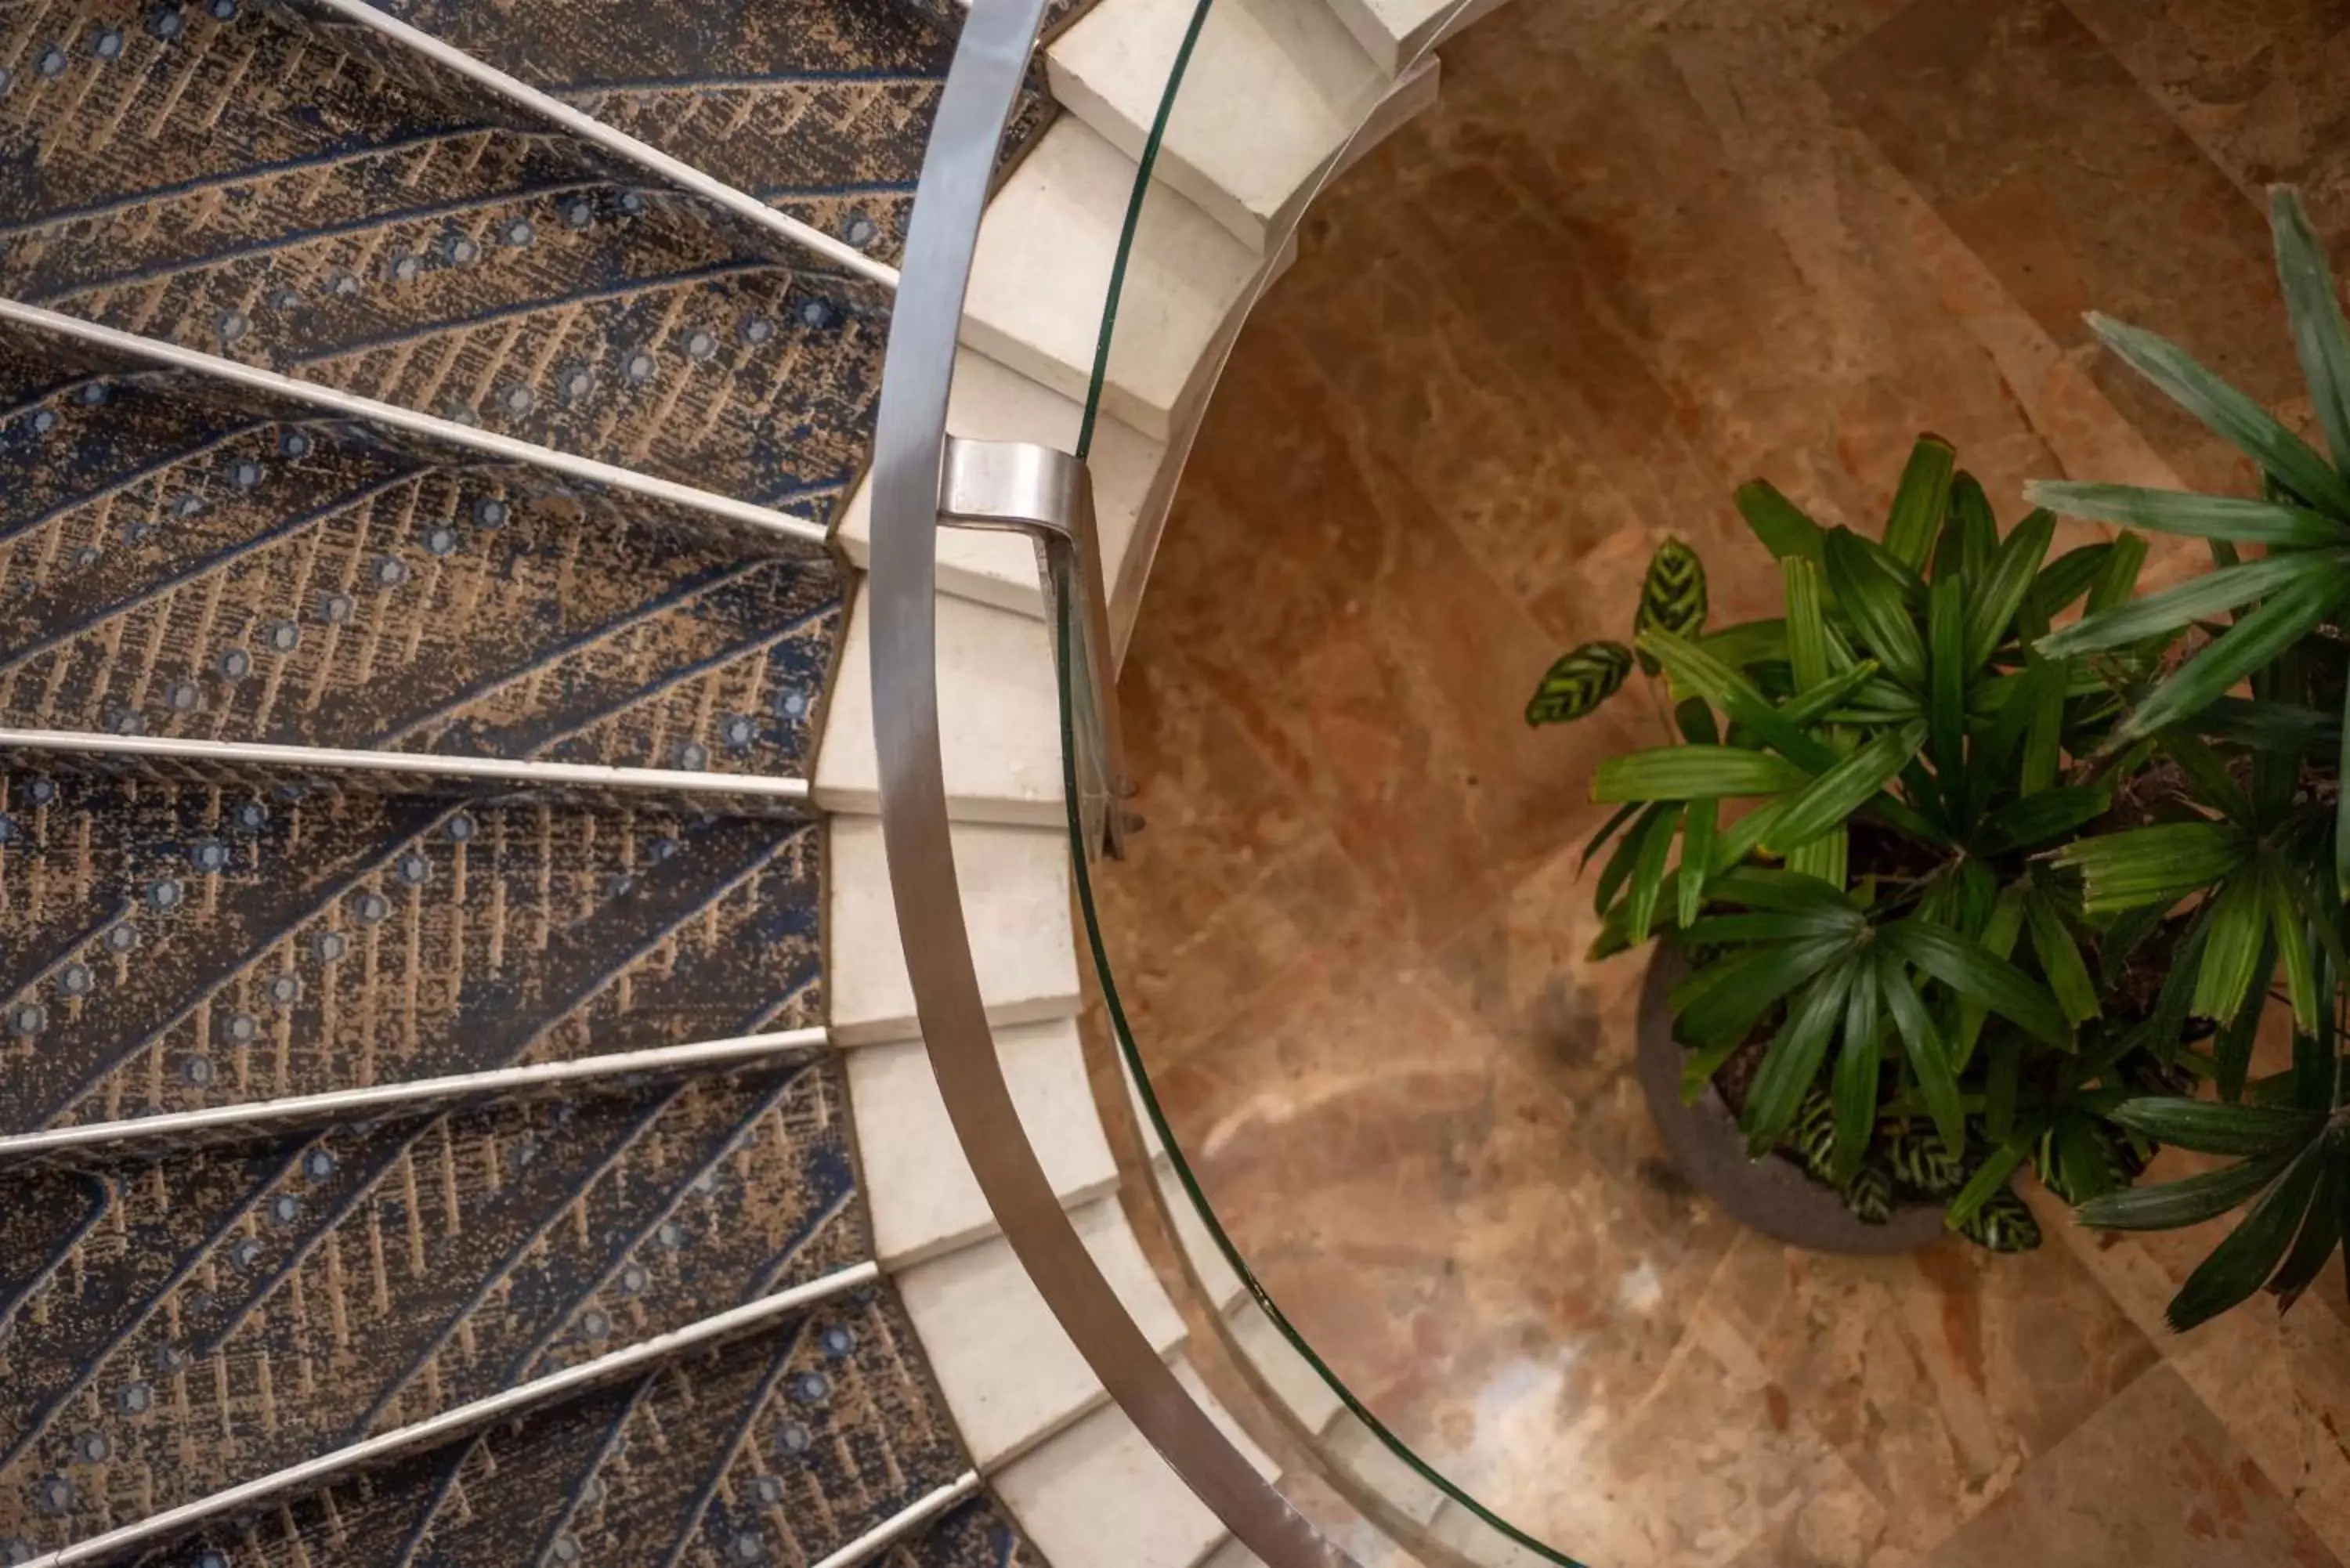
(2254, 83)
(2280, 1385)
(1363, 658)
(2153, 1481)
(2056, 166)
(1939, 1376)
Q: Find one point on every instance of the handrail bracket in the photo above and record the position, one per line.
(1047, 494)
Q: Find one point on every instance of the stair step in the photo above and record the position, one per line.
(1396, 32)
(1016, 905)
(379, 243)
(453, 71)
(295, 1295)
(925, 1200)
(998, 716)
(821, 110)
(204, 552)
(1041, 277)
(170, 949)
(1057, 1493)
(975, 1534)
(1010, 1374)
(1273, 90)
(811, 1437)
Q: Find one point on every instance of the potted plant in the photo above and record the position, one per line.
(1879, 995)
(2251, 859)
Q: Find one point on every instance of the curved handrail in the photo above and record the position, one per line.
(908, 451)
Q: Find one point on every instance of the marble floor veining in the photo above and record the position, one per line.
(1644, 250)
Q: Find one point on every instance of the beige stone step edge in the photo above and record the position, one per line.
(1032, 321)
(1032, 1414)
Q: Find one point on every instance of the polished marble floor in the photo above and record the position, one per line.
(1644, 250)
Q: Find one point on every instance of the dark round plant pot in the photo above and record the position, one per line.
(1770, 1195)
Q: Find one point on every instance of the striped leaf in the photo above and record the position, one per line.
(1672, 595)
(1583, 678)
(2002, 1224)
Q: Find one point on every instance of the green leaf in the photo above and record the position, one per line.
(2321, 1227)
(1938, 1083)
(1829, 800)
(2314, 308)
(1773, 926)
(1991, 604)
(1648, 874)
(1969, 969)
(1876, 603)
(2258, 725)
(2117, 584)
(1833, 691)
(1946, 636)
(1759, 888)
(1793, 1061)
(1581, 680)
(1709, 677)
(1748, 642)
(2061, 961)
(2036, 819)
(1807, 627)
(1858, 1058)
(2066, 578)
(2208, 1126)
(2243, 1262)
(2237, 519)
(1919, 502)
(1698, 831)
(2157, 865)
(1694, 772)
(2229, 412)
(2292, 943)
(1999, 930)
(1672, 595)
(1969, 533)
(2232, 1049)
(2239, 929)
(2215, 786)
(2190, 1200)
(1826, 857)
(1783, 526)
(1989, 1179)
(2342, 816)
(1623, 815)
(2197, 599)
(2001, 1074)
(1618, 869)
(1738, 991)
(2040, 686)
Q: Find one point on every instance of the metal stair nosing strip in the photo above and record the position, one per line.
(231, 381)
(506, 1404)
(547, 109)
(140, 1133)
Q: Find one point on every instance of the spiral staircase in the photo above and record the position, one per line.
(462, 1092)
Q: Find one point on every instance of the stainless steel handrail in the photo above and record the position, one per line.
(909, 474)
